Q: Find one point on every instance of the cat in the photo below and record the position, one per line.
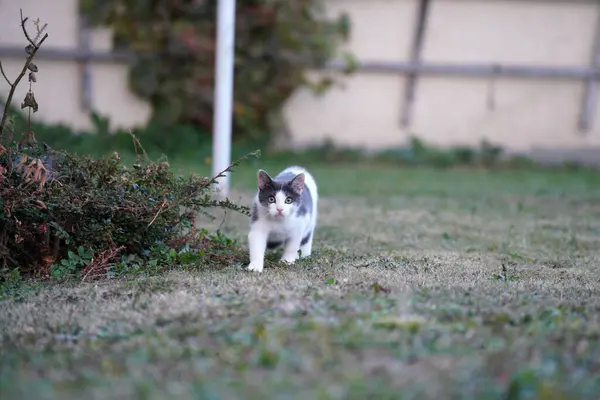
(284, 212)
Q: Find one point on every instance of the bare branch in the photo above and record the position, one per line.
(31, 51)
(23, 20)
(39, 32)
(42, 41)
(4, 75)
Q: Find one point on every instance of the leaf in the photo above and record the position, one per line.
(30, 101)
(32, 67)
(330, 281)
(344, 25)
(497, 277)
(351, 63)
(377, 288)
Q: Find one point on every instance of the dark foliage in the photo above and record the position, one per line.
(59, 206)
(174, 43)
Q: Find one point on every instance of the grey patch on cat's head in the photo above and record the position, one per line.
(290, 184)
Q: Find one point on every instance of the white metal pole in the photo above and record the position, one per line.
(223, 92)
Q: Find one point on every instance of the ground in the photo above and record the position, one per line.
(424, 284)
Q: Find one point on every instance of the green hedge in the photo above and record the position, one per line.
(184, 142)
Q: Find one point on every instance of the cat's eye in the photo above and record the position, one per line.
(271, 199)
(288, 200)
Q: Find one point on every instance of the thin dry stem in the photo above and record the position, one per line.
(4, 75)
(206, 185)
(138, 145)
(164, 203)
(23, 20)
(40, 32)
(102, 261)
(32, 53)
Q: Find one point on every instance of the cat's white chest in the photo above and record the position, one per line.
(280, 230)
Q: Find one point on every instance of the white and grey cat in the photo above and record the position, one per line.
(284, 212)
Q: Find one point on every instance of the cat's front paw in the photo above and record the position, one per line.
(255, 266)
(289, 259)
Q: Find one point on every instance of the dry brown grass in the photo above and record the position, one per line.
(405, 291)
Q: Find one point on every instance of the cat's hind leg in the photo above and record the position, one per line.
(306, 245)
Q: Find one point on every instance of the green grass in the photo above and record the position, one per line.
(424, 284)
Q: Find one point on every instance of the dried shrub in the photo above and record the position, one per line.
(55, 207)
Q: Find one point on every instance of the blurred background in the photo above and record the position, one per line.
(398, 78)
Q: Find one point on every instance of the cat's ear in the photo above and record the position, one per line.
(297, 183)
(263, 179)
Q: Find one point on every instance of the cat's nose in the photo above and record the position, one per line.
(279, 209)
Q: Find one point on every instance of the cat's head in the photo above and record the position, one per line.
(281, 198)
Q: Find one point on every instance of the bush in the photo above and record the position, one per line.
(63, 214)
(174, 41)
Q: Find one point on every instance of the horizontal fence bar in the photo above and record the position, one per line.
(475, 70)
(68, 55)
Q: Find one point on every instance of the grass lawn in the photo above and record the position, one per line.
(424, 284)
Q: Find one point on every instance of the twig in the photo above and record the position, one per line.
(138, 145)
(102, 260)
(23, 20)
(40, 31)
(4, 75)
(223, 220)
(158, 213)
(31, 54)
(207, 184)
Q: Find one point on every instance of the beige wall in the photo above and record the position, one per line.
(58, 87)
(528, 113)
(366, 109)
